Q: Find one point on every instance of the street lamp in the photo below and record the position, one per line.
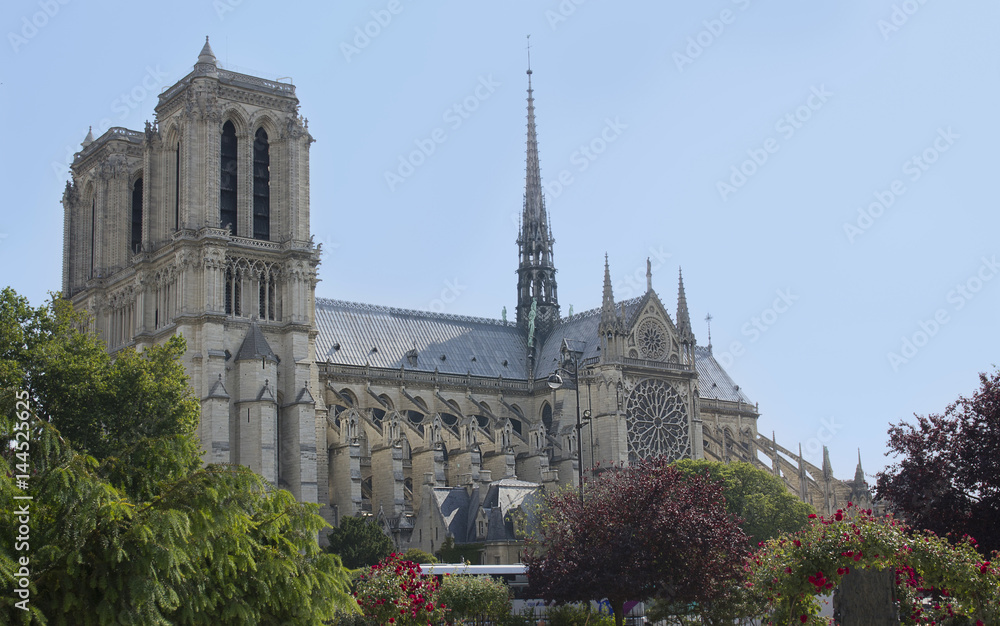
(555, 381)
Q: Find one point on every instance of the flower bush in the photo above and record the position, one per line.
(937, 580)
(395, 592)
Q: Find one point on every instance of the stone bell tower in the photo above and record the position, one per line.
(199, 226)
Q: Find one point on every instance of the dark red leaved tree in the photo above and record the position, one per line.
(948, 477)
(645, 531)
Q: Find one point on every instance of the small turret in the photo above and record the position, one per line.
(207, 64)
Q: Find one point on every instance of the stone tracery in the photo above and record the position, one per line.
(657, 422)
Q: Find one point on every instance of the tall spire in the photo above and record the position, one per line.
(608, 314)
(859, 473)
(683, 318)
(536, 273)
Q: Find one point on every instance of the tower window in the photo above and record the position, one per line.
(228, 181)
(93, 233)
(261, 186)
(136, 216)
(234, 288)
(177, 188)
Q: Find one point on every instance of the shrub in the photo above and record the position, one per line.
(395, 592)
(472, 597)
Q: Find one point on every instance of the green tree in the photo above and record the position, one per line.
(767, 509)
(359, 542)
(125, 524)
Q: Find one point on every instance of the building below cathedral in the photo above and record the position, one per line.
(441, 426)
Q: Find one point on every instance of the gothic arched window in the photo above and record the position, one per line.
(227, 181)
(547, 417)
(261, 187)
(136, 241)
(93, 233)
(177, 188)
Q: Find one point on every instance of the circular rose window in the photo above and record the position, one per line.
(657, 422)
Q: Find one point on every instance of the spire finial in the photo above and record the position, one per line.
(529, 55)
(649, 275)
(206, 56)
(708, 320)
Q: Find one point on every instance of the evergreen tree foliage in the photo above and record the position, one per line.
(126, 526)
(359, 542)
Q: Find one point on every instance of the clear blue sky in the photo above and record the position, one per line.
(644, 110)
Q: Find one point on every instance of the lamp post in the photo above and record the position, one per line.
(555, 381)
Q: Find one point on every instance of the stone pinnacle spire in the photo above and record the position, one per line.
(534, 202)
(609, 316)
(536, 273)
(859, 473)
(207, 64)
(206, 55)
(683, 318)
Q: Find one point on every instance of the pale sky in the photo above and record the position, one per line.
(824, 172)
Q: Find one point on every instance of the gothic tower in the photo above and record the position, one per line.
(536, 272)
(199, 227)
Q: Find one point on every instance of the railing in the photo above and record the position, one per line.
(235, 77)
(409, 376)
(256, 243)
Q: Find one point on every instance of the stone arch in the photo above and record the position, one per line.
(235, 113)
(386, 402)
(545, 415)
(264, 119)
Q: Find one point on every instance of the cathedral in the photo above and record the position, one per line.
(441, 427)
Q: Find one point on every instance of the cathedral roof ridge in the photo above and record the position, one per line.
(597, 310)
(391, 310)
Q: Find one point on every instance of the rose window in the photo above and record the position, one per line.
(652, 339)
(657, 422)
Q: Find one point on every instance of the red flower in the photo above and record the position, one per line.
(804, 618)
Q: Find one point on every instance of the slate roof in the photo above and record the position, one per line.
(255, 346)
(359, 334)
(581, 327)
(456, 506)
(351, 333)
(713, 381)
(459, 509)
